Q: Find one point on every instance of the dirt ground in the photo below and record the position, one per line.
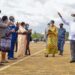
(37, 64)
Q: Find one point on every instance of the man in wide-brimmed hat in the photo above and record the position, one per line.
(71, 35)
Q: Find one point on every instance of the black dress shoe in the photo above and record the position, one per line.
(46, 55)
(72, 61)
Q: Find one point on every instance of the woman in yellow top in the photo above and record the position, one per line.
(52, 40)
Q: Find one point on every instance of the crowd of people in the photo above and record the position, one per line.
(55, 38)
(18, 36)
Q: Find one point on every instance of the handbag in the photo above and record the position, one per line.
(5, 44)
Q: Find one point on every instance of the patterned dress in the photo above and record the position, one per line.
(52, 41)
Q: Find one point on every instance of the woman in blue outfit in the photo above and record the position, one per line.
(13, 29)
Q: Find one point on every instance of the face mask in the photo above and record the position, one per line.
(26, 27)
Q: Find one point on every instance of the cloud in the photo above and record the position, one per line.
(37, 12)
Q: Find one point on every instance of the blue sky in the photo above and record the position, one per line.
(38, 12)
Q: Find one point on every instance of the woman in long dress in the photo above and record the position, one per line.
(22, 40)
(4, 31)
(52, 40)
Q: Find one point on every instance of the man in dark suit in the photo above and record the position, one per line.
(29, 38)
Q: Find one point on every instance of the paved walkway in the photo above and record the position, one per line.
(37, 64)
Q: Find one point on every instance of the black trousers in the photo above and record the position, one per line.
(27, 51)
(72, 48)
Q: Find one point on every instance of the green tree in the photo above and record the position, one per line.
(36, 35)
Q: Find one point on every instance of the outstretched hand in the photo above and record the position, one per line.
(59, 14)
(64, 21)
